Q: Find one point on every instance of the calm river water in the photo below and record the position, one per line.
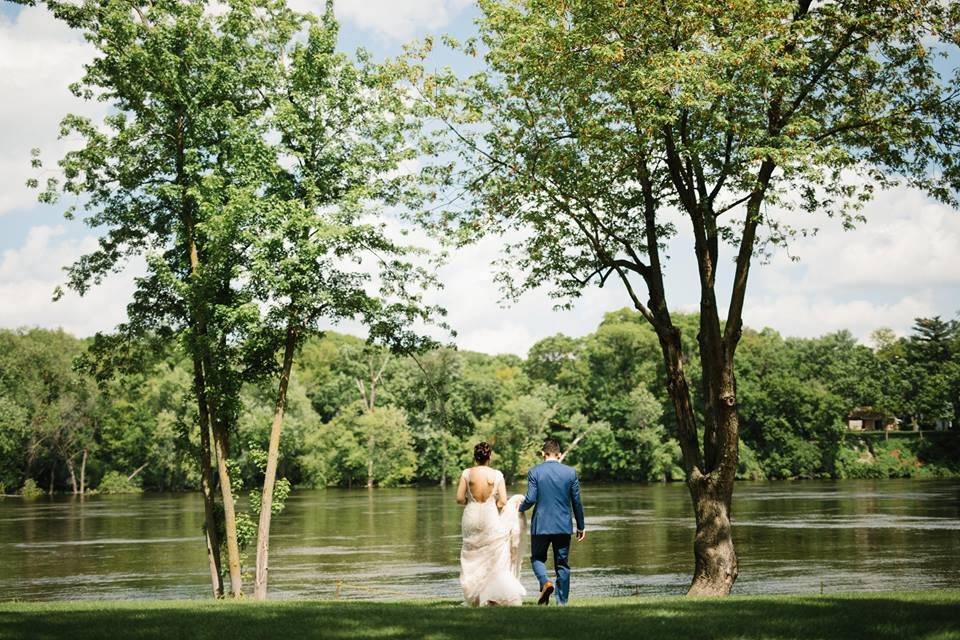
(404, 543)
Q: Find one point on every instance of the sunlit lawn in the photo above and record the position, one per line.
(875, 616)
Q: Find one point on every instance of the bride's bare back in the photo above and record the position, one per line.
(482, 482)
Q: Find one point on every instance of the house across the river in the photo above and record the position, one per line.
(870, 419)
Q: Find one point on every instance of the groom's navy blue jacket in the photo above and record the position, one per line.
(553, 488)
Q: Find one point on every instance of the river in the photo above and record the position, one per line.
(799, 537)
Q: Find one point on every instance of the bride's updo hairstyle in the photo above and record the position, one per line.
(482, 453)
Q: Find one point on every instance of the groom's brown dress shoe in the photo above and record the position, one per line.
(545, 593)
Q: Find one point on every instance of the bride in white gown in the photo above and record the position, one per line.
(492, 527)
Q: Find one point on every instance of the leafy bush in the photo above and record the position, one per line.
(748, 465)
(116, 482)
(787, 454)
(281, 491)
(30, 489)
(894, 458)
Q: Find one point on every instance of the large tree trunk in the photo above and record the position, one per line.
(273, 455)
(206, 482)
(715, 556)
(709, 477)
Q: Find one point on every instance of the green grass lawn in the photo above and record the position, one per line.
(875, 616)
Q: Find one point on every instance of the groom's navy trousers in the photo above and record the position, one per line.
(539, 545)
(554, 490)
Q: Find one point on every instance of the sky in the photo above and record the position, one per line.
(903, 263)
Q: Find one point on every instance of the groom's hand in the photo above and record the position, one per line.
(581, 535)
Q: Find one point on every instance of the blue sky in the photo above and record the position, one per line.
(905, 262)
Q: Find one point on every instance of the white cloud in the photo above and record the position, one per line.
(394, 19)
(908, 240)
(798, 314)
(29, 274)
(39, 58)
(483, 323)
(903, 263)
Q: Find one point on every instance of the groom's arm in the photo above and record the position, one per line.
(531, 498)
(577, 503)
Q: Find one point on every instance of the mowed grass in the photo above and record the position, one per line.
(931, 615)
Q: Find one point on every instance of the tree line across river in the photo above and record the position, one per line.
(359, 416)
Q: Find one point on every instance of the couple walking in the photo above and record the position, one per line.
(493, 526)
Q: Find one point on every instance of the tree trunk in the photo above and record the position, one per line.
(715, 556)
(709, 477)
(273, 454)
(443, 458)
(229, 509)
(53, 468)
(206, 482)
(83, 473)
(370, 463)
(73, 476)
(202, 368)
(137, 471)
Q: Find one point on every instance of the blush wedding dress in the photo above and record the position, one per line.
(490, 557)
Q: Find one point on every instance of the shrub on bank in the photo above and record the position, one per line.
(894, 458)
(116, 482)
(30, 489)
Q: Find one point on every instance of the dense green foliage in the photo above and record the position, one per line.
(870, 616)
(605, 388)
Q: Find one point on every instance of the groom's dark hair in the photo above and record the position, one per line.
(551, 447)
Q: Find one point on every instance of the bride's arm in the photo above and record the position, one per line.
(462, 489)
(501, 490)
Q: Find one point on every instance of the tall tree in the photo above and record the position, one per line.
(170, 175)
(598, 126)
(932, 369)
(344, 131)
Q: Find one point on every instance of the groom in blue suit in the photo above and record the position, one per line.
(553, 488)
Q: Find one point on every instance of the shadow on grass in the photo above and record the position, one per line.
(873, 618)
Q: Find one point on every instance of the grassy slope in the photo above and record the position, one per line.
(933, 615)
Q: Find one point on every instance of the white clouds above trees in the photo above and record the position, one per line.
(904, 262)
(30, 273)
(39, 58)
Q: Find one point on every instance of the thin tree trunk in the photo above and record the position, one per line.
(221, 437)
(202, 369)
(53, 467)
(206, 482)
(443, 459)
(203, 360)
(573, 444)
(31, 454)
(273, 455)
(137, 471)
(73, 476)
(370, 463)
(229, 509)
(83, 473)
